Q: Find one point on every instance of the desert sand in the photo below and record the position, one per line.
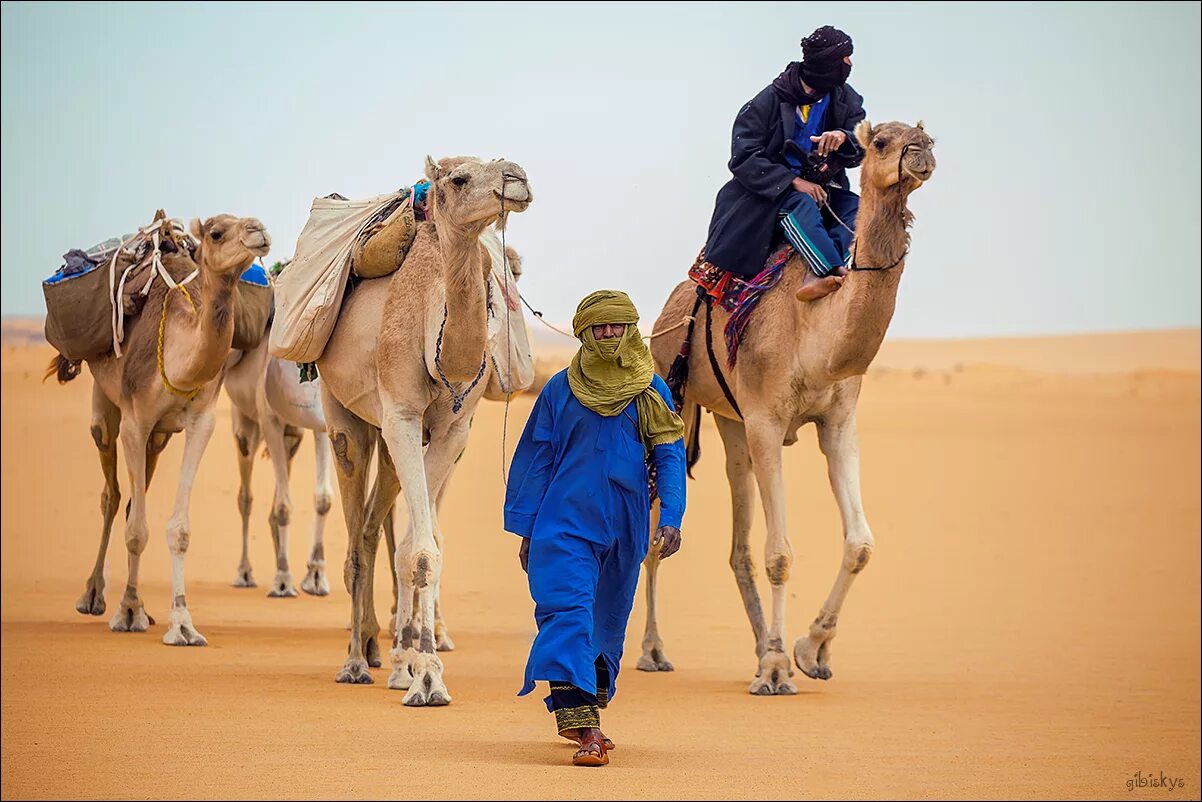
(1028, 626)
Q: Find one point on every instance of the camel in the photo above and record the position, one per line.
(167, 381)
(407, 360)
(800, 363)
(270, 403)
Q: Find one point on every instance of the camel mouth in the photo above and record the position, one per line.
(519, 195)
(921, 176)
(257, 242)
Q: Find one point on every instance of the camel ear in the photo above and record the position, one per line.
(195, 229)
(920, 126)
(864, 133)
(432, 171)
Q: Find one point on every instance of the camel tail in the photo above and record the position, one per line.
(63, 368)
(692, 437)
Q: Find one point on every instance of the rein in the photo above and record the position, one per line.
(856, 242)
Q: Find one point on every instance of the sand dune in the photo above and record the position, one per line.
(1028, 627)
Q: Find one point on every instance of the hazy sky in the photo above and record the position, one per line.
(1066, 197)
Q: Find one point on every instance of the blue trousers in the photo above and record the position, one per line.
(814, 233)
(583, 593)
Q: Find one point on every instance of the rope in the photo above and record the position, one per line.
(117, 288)
(188, 394)
(508, 339)
(457, 399)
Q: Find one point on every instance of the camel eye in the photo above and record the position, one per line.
(459, 180)
(880, 144)
(215, 235)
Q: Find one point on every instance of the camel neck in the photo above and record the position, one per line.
(210, 331)
(465, 275)
(859, 313)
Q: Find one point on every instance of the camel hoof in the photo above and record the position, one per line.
(282, 588)
(354, 672)
(315, 582)
(654, 661)
(130, 618)
(443, 643)
(812, 656)
(426, 687)
(184, 636)
(245, 578)
(773, 676)
(92, 600)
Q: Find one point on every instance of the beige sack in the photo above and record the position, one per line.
(509, 353)
(308, 295)
(382, 247)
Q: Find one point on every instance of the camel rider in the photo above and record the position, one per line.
(790, 150)
(578, 497)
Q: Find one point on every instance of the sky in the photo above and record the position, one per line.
(1066, 197)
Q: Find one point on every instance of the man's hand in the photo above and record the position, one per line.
(813, 190)
(829, 142)
(668, 539)
(524, 554)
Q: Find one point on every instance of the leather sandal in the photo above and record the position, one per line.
(592, 752)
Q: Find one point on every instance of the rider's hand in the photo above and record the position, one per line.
(808, 188)
(829, 142)
(524, 554)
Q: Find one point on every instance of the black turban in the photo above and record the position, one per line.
(822, 54)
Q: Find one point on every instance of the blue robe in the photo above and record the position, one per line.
(578, 489)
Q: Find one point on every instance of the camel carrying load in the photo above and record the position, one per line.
(91, 297)
(370, 239)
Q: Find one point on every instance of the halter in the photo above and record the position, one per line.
(855, 244)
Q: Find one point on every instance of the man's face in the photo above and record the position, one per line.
(608, 331)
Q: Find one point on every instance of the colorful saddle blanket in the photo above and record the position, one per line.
(738, 295)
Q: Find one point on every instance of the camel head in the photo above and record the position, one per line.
(229, 244)
(895, 153)
(467, 192)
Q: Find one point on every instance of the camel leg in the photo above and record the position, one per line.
(764, 438)
(653, 658)
(106, 424)
(390, 540)
(740, 477)
(315, 582)
(281, 506)
(247, 436)
(180, 630)
(379, 506)
(352, 441)
(416, 665)
(131, 613)
(841, 445)
(442, 637)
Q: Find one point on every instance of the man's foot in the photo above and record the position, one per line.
(593, 751)
(574, 737)
(814, 287)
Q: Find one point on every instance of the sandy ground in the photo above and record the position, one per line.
(1028, 626)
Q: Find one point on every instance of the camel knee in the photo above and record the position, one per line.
(245, 500)
(110, 501)
(743, 565)
(425, 569)
(322, 503)
(178, 538)
(101, 438)
(281, 513)
(856, 556)
(135, 538)
(778, 568)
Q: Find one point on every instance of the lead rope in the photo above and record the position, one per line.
(508, 341)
